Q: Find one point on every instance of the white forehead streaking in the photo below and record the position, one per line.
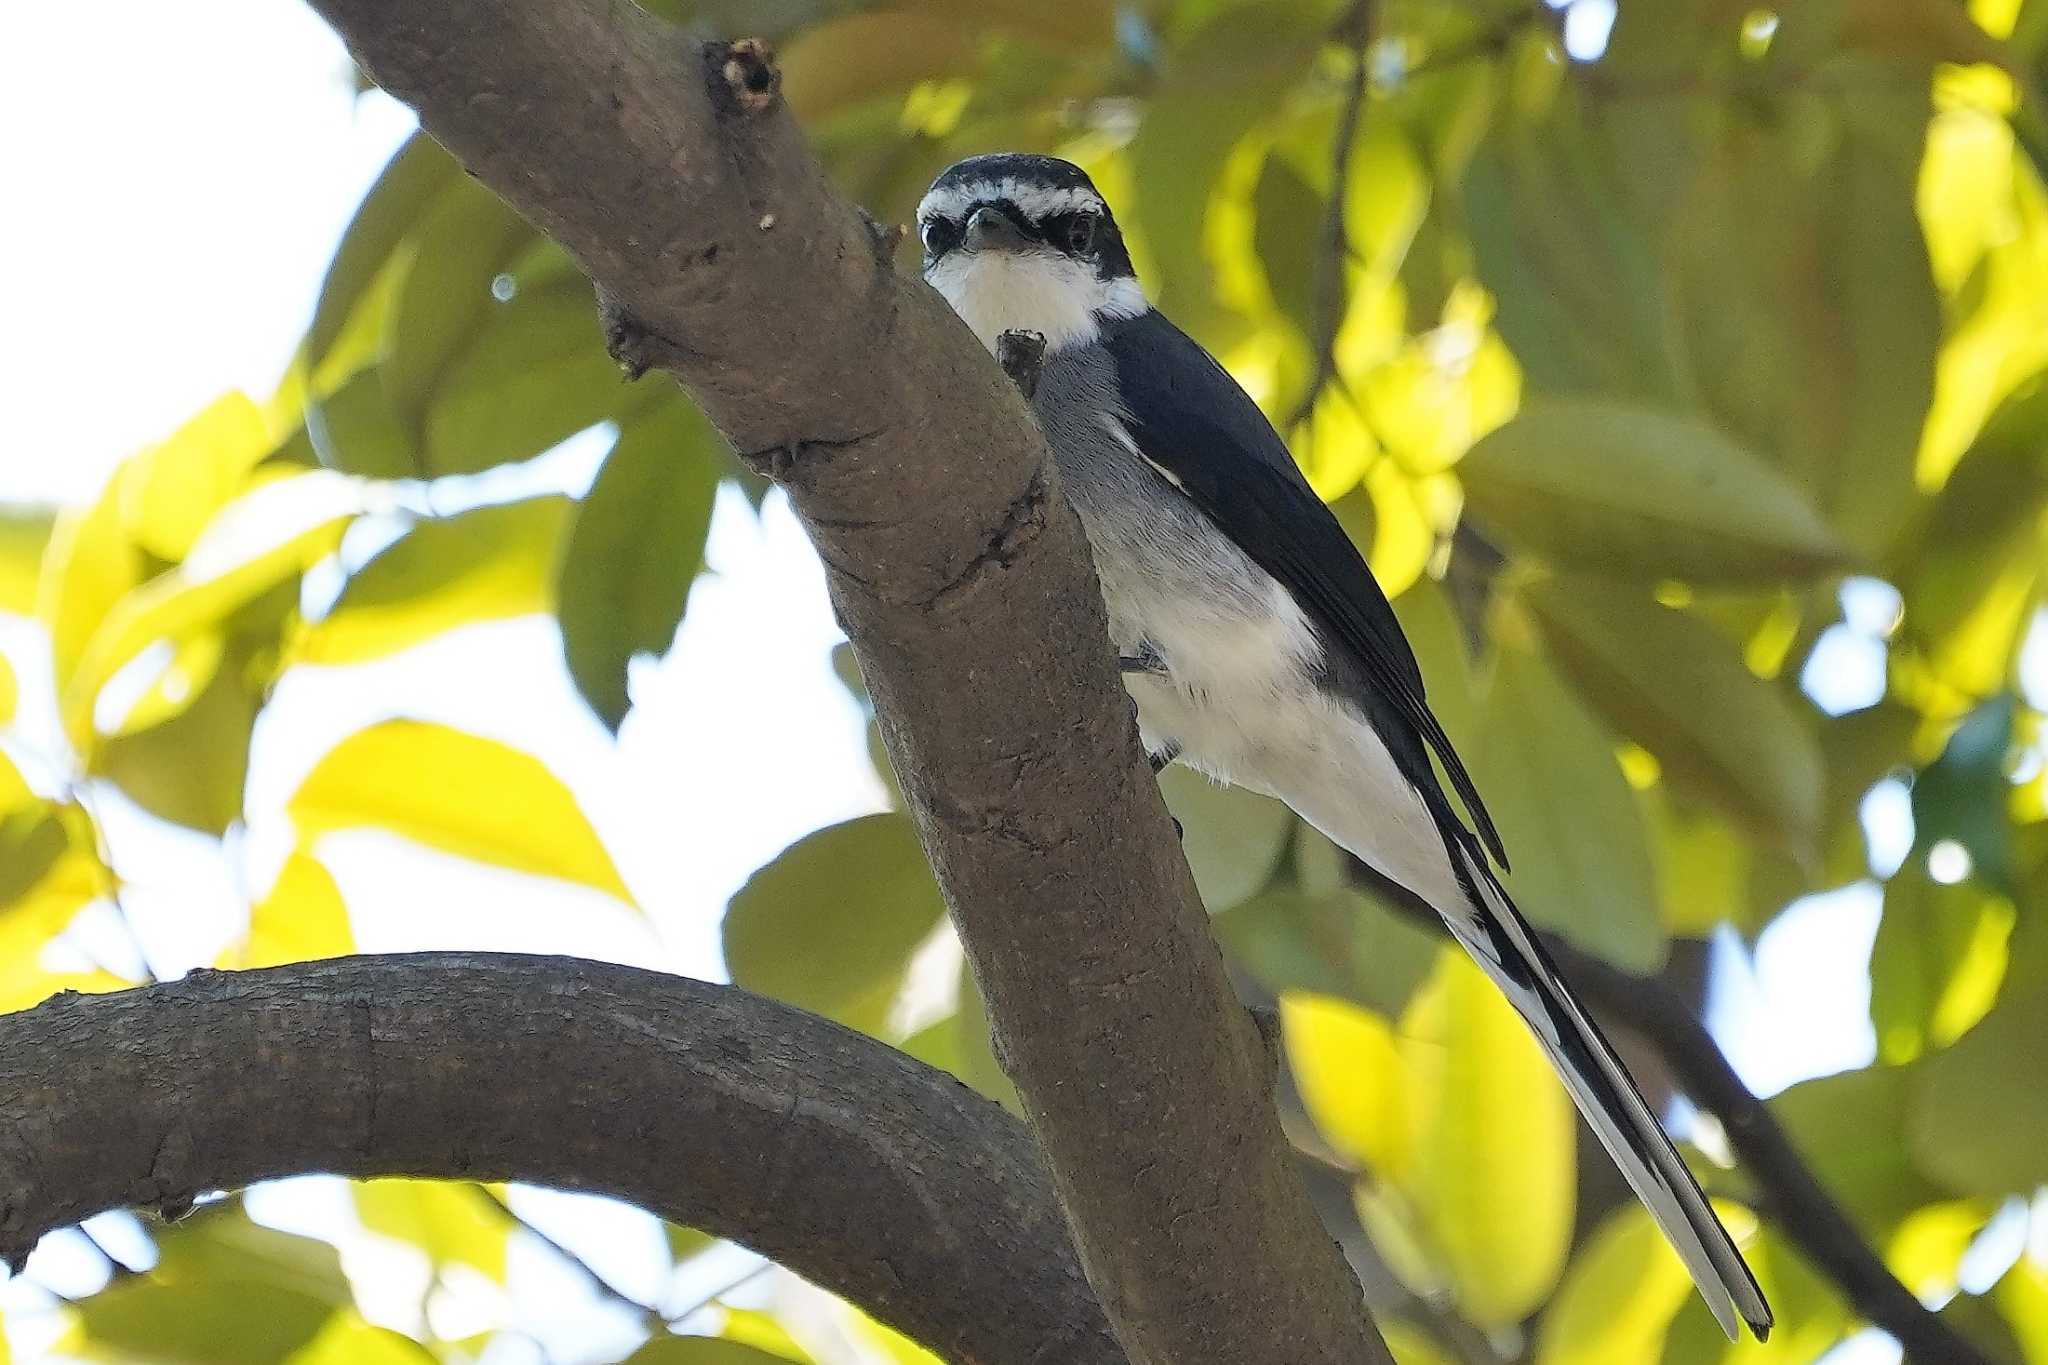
(1062, 299)
(1032, 200)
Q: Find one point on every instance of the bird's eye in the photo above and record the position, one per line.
(1081, 232)
(940, 236)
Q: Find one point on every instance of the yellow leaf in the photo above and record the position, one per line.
(24, 536)
(1617, 1301)
(1404, 537)
(1394, 1226)
(2022, 1296)
(448, 1220)
(1353, 1080)
(348, 1340)
(302, 918)
(1926, 1248)
(219, 577)
(460, 792)
(10, 692)
(483, 565)
(1411, 1347)
(168, 493)
(1493, 1132)
(28, 926)
(89, 565)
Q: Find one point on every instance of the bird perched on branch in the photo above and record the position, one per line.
(1255, 642)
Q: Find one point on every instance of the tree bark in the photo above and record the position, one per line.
(675, 177)
(870, 1173)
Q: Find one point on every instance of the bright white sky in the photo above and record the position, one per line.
(170, 247)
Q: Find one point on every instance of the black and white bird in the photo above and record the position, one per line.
(1255, 642)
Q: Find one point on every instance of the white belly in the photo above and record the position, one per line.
(1240, 702)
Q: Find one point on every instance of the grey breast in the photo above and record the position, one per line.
(1153, 547)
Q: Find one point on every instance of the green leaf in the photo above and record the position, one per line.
(1617, 1300)
(683, 1243)
(170, 492)
(190, 769)
(1674, 685)
(24, 536)
(961, 1045)
(1569, 819)
(356, 430)
(224, 1292)
(1637, 492)
(33, 835)
(1233, 837)
(701, 1351)
(1939, 959)
(1494, 1132)
(532, 373)
(1572, 265)
(831, 923)
(1962, 795)
(487, 564)
(1831, 1120)
(241, 594)
(1798, 275)
(1342, 943)
(450, 1221)
(467, 238)
(348, 1340)
(637, 546)
(1431, 624)
(468, 795)
(1218, 84)
(832, 66)
(1980, 1109)
(395, 207)
(302, 918)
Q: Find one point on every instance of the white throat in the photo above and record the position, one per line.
(1032, 291)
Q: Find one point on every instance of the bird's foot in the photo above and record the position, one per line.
(1022, 356)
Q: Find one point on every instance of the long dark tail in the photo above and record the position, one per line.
(1505, 947)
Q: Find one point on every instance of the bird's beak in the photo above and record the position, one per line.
(990, 229)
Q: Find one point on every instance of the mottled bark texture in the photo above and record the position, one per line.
(671, 171)
(873, 1174)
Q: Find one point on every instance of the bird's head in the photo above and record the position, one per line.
(1026, 243)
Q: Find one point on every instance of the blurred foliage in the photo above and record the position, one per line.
(1639, 376)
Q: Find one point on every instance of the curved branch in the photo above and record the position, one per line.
(1791, 1195)
(675, 177)
(868, 1172)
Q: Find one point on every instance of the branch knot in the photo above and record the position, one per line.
(752, 81)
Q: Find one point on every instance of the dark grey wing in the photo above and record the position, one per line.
(1193, 423)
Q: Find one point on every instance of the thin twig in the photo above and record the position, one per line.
(1334, 241)
(752, 1273)
(651, 1316)
(1488, 42)
(1792, 1197)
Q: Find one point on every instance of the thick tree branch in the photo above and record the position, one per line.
(876, 1176)
(675, 177)
(1790, 1195)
